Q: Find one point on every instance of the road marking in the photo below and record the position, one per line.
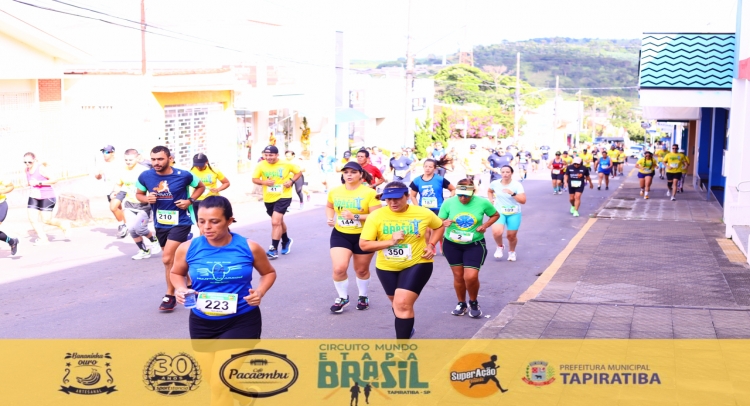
(632, 171)
(732, 252)
(552, 269)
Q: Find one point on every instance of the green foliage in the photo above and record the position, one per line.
(423, 136)
(442, 130)
(585, 137)
(635, 131)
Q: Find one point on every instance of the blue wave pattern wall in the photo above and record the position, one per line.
(687, 61)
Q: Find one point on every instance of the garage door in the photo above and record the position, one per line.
(188, 129)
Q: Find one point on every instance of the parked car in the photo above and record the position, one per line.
(636, 151)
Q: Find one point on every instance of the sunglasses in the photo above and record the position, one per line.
(106, 152)
(28, 162)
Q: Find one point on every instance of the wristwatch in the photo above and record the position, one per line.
(514, 193)
(356, 217)
(191, 199)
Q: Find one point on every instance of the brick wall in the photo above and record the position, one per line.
(50, 90)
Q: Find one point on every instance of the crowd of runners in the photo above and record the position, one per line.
(376, 207)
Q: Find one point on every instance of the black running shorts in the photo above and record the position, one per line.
(3, 211)
(348, 241)
(246, 326)
(42, 204)
(574, 190)
(174, 233)
(674, 176)
(413, 278)
(279, 206)
(471, 255)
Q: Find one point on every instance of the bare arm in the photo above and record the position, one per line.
(6, 188)
(373, 246)
(330, 214)
(413, 198)
(490, 221)
(520, 198)
(179, 271)
(266, 271)
(224, 184)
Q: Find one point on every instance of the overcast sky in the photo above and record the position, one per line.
(377, 29)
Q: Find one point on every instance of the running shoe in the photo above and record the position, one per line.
(674, 198)
(13, 246)
(272, 253)
(154, 248)
(641, 192)
(572, 209)
(606, 188)
(286, 248)
(460, 309)
(575, 213)
(475, 311)
(142, 254)
(554, 192)
(499, 252)
(363, 303)
(308, 198)
(340, 304)
(512, 256)
(122, 231)
(599, 187)
(669, 193)
(167, 303)
(301, 206)
(645, 197)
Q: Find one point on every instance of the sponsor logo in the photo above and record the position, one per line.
(172, 376)
(258, 373)
(475, 375)
(539, 373)
(87, 374)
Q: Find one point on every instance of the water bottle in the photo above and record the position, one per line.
(190, 299)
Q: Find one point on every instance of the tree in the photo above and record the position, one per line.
(442, 129)
(423, 136)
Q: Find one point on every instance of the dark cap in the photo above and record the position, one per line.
(108, 148)
(347, 154)
(394, 193)
(473, 146)
(353, 165)
(271, 149)
(201, 160)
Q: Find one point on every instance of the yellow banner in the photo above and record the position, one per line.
(375, 372)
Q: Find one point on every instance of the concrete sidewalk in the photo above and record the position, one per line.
(643, 269)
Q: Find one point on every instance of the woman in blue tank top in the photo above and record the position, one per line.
(427, 190)
(220, 264)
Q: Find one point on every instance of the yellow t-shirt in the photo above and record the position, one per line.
(660, 154)
(3, 183)
(381, 224)
(210, 179)
(359, 201)
(614, 154)
(674, 162)
(473, 162)
(280, 172)
(647, 167)
(568, 161)
(621, 157)
(587, 159)
(128, 180)
(686, 161)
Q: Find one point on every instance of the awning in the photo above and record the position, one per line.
(346, 115)
(671, 113)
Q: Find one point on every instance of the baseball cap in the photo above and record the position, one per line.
(464, 190)
(200, 160)
(352, 165)
(347, 154)
(577, 160)
(108, 148)
(394, 193)
(271, 149)
(565, 152)
(557, 153)
(473, 146)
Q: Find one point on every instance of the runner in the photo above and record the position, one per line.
(587, 158)
(465, 247)
(136, 213)
(522, 160)
(210, 178)
(675, 163)
(363, 159)
(557, 165)
(327, 168)
(614, 155)
(277, 178)
(646, 167)
(568, 161)
(430, 187)
(604, 169)
(299, 185)
(659, 155)
(496, 161)
(42, 200)
(165, 188)
(378, 160)
(622, 158)
(684, 170)
(348, 207)
(404, 263)
(402, 166)
(106, 171)
(507, 195)
(6, 186)
(536, 158)
(472, 163)
(577, 177)
(227, 305)
(438, 153)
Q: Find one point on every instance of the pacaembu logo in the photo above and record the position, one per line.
(258, 373)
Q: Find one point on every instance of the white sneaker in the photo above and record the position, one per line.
(142, 254)
(154, 248)
(512, 256)
(669, 193)
(499, 252)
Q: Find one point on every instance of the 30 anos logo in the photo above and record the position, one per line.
(258, 373)
(539, 373)
(172, 376)
(88, 374)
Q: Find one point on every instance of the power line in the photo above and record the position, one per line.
(45, 32)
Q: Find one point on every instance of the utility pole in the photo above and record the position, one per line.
(408, 124)
(516, 118)
(557, 94)
(143, 37)
(579, 110)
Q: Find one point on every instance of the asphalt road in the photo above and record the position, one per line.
(112, 296)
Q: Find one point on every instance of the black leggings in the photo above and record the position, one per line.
(413, 278)
(246, 326)
(298, 184)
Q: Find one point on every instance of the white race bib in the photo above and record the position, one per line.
(575, 183)
(507, 210)
(401, 173)
(555, 171)
(275, 189)
(398, 252)
(429, 202)
(217, 304)
(461, 236)
(343, 222)
(167, 217)
(674, 166)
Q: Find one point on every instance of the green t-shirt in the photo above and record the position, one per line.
(466, 218)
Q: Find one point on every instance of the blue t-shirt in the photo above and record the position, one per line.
(227, 269)
(430, 191)
(437, 153)
(498, 161)
(167, 189)
(326, 163)
(401, 163)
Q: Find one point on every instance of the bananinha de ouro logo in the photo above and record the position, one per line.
(258, 373)
(172, 376)
(88, 374)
